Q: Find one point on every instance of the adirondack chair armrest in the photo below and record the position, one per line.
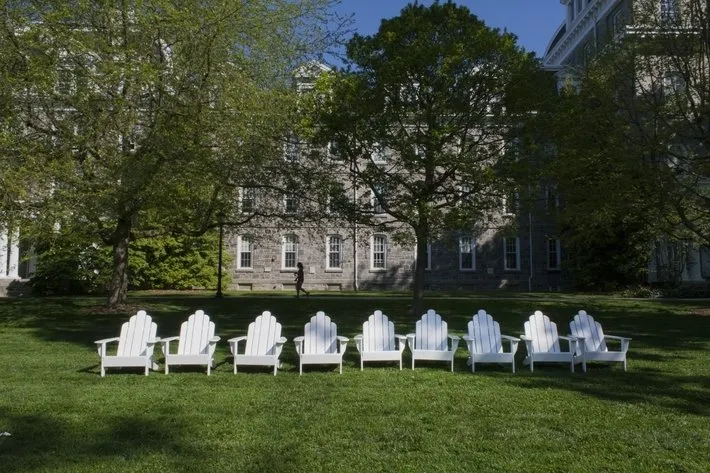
(299, 344)
(281, 341)
(401, 342)
(509, 338)
(624, 341)
(165, 344)
(101, 344)
(454, 341)
(234, 343)
(571, 340)
(410, 340)
(468, 338)
(154, 341)
(343, 343)
(528, 343)
(358, 342)
(513, 343)
(215, 339)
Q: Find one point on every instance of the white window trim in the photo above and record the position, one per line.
(511, 209)
(374, 200)
(473, 255)
(283, 252)
(242, 191)
(557, 250)
(240, 238)
(328, 267)
(372, 252)
(517, 254)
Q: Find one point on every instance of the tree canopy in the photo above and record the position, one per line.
(420, 116)
(146, 115)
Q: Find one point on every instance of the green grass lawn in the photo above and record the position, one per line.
(64, 417)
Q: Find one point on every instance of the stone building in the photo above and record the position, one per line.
(515, 249)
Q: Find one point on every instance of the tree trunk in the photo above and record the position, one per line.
(118, 287)
(420, 265)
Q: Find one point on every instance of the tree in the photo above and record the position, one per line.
(420, 116)
(145, 116)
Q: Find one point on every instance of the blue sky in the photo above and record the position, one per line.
(532, 21)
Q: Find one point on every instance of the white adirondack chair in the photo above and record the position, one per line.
(485, 342)
(263, 343)
(542, 342)
(378, 342)
(135, 345)
(431, 340)
(320, 344)
(591, 341)
(196, 343)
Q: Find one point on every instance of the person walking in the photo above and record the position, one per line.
(299, 281)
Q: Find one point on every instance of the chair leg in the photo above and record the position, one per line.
(300, 367)
(166, 367)
(624, 365)
(473, 365)
(209, 368)
(147, 369)
(412, 361)
(571, 365)
(235, 367)
(276, 367)
(532, 363)
(103, 370)
(341, 366)
(400, 364)
(513, 363)
(452, 363)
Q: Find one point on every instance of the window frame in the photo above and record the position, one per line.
(472, 251)
(556, 253)
(285, 250)
(329, 252)
(373, 252)
(516, 240)
(241, 239)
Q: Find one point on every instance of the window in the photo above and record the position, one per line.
(380, 154)
(552, 200)
(669, 11)
(289, 252)
(247, 199)
(292, 151)
(511, 254)
(618, 22)
(334, 250)
(673, 83)
(377, 190)
(244, 248)
(378, 253)
(553, 254)
(336, 198)
(511, 203)
(290, 203)
(335, 153)
(467, 254)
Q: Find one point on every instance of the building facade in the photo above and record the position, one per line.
(515, 248)
(590, 25)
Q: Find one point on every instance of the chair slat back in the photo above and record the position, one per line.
(584, 325)
(378, 333)
(135, 334)
(195, 334)
(431, 332)
(320, 335)
(262, 335)
(485, 333)
(543, 332)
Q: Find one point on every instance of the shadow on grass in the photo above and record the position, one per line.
(683, 394)
(51, 441)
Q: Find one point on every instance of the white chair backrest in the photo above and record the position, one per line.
(195, 334)
(485, 333)
(584, 325)
(135, 334)
(262, 335)
(378, 333)
(543, 333)
(431, 332)
(320, 335)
